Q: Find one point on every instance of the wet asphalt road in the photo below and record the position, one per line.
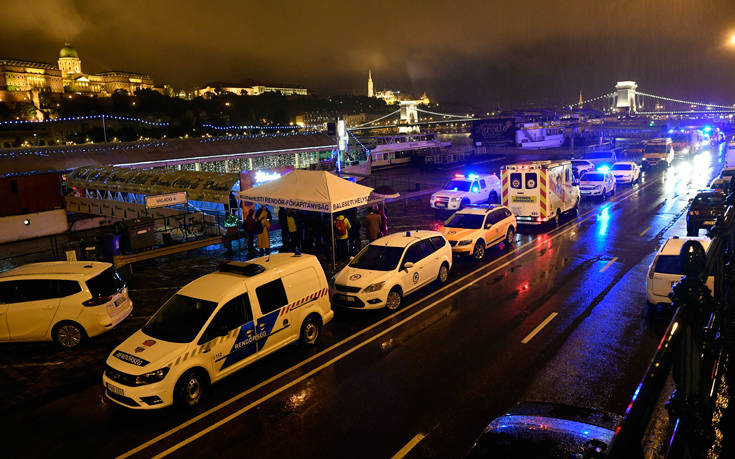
(440, 368)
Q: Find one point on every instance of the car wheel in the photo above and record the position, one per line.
(493, 199)
(478, 253)
(443, 274)
(510, 236)
(555, 220)
(189, 388)
(310, 331)
(465, 202)
(68, 335)
(394, 299)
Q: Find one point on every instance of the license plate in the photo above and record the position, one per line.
(115, 390)
(441, 204)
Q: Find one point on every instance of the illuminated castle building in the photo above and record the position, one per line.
(21, 79)
(393, 97)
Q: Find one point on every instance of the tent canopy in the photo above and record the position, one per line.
(318, 191)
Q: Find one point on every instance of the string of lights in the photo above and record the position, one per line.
(358, 141)
(669, 99)
(312, 127)
(687, 112)
(85, 118)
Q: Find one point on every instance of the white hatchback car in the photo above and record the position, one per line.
(600, 184)
(63, 301)
(216, 325)
(626, 172)
(391, 267)
(665, 271)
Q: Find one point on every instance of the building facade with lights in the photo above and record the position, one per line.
(241, 89)
(21, 79)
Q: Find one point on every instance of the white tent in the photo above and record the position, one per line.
(318, 191)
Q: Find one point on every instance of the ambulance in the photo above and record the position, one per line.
(218, 324)
(539, 191)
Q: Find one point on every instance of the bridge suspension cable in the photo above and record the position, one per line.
(444, 114)
(689, 102)
(377, 119)
(594, 99)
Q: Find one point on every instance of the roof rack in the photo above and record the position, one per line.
(247, 269)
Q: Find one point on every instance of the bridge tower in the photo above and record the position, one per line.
(409, 114)
(625, 96)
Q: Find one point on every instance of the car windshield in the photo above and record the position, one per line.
(714, 199)
(377, 258)
(593, 177)
(655, 148)
(179, 319)
(622, 167)
(469, 221)
(107, 283)
(457, 185)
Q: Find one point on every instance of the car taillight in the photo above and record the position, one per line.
(96, 301)
(694, 212)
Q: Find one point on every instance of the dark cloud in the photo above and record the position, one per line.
(487, 52)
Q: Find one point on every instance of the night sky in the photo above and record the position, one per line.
(514, 52)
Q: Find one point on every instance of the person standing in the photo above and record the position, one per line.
(283, 222)
(293, 231)
(383, 221)
(249, 227)
(372, 225)
(262, 223)
(355, 243)
(341, 233)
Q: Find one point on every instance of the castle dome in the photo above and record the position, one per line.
(68, 51)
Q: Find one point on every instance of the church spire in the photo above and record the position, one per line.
(370, 83)
(580, 99)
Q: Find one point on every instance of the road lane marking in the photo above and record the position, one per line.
(608, 264)
(535, 331)
(409, 446)
(563, 230)
(644, 231)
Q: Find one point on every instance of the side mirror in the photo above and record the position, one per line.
(407, 265)
(488, 226)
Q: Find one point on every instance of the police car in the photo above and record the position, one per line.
(216, 325)
(666, 270)
(391, 267)
(600, 183)
(464, 190)
(626, 172)
(473, 229)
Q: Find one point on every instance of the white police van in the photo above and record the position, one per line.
(216, 325)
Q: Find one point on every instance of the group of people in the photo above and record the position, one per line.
(310, 232)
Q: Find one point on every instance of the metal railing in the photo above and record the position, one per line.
(695, 351)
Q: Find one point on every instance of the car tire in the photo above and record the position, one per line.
(478, 252)
(68, 335)
(493, 198)
(190, 388)
(464, 203)
(393, 301)
(556, 220)
(510, 237)
(443, 274)
(310, 330)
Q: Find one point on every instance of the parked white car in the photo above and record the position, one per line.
(582, 165)
(463, 190)
(665, 271)
(216, 325)
(626, 172)
(598, 183)
(391, 267)
(63, 301)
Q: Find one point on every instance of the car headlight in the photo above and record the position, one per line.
(465, 242)
(597, 187)
(454, 199)
(374, 287)
(152, 377)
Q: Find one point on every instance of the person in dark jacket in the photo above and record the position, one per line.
(283, 221)
(249, 226)
(355, 243)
